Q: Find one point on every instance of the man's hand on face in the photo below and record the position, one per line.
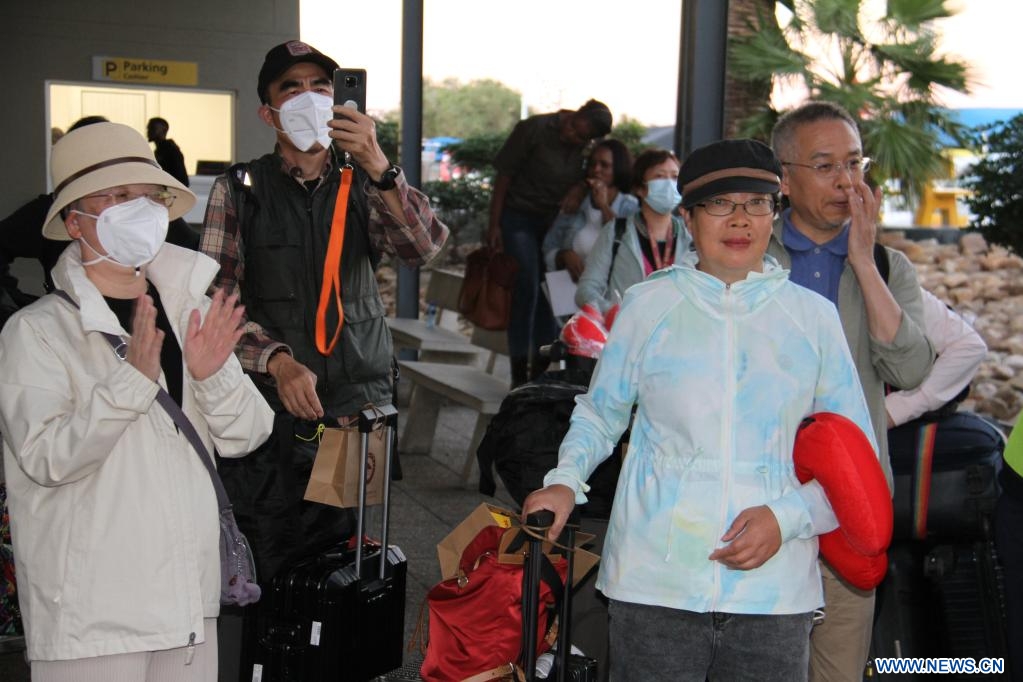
(863, 211)
(355, 133)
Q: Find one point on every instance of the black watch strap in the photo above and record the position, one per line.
(388, 179)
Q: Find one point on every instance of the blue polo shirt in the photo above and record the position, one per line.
(818, 267)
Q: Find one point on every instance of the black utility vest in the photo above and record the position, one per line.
(285, 230)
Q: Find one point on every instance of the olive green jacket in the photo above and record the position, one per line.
(904, 362)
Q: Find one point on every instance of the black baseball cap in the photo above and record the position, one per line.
(282, 57)
(728, 166)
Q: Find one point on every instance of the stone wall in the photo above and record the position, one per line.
(985, 285)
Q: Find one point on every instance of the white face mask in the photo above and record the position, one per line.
(305, 119)
(131, 233)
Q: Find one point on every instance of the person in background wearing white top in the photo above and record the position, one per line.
(609, 178)
(960, 351)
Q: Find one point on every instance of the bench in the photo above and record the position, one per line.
(436, 338)
(433, 383)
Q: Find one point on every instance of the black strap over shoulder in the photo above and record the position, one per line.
(239, 183)
(620, 224)
(881, 260)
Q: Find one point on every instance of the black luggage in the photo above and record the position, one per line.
(522, 441)
(940, 601)
(567, 667)
(969, 591)
(339, 615)
(904, 626)
(946, 475)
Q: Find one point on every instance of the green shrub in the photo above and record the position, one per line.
(997, 185)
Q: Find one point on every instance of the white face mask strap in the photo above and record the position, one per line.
(99, 256)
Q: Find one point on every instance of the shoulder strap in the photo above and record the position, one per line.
(881, 260)
(173, 409)
(619, 233)
(239, 184)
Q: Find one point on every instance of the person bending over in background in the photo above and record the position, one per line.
(538, 163)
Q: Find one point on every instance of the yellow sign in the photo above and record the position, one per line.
(146, 71)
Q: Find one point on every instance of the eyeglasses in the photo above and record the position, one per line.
(163, 197)
(830, 170)
(722, 207)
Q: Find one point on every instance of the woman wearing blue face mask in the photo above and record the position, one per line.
(653, 239)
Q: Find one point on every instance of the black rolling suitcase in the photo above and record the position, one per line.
(903, 627)
(939, 601)
(969, 591)
(567, 667)
(339, 615)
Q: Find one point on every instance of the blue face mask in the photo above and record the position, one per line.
(662, 195)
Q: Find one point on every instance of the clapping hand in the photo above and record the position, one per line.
(146, 340)
(209, 342)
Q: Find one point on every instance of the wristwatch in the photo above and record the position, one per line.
(388, 179)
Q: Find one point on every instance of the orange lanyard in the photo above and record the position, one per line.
(332, 268)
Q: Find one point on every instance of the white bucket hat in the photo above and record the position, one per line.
(100, 156)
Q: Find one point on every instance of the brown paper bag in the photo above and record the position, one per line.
(449, 550)
(335, 476)
(582, 563)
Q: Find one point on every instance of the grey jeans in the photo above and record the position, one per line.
(658, 643)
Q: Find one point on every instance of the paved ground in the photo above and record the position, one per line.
(425, 506)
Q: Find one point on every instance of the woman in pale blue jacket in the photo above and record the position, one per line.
(654, 237)
(609, 178)
(710, 559)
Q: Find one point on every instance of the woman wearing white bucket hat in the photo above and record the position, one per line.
(113, 516)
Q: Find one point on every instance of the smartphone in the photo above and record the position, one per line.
(350, 89)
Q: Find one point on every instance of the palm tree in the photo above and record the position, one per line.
(884, 70)
(746, 97)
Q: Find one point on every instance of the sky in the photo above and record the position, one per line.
(559, 53)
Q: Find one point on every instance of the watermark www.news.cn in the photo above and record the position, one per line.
(977, 666)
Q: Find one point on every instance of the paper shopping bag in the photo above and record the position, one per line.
(449, 550)
(583, 563)
(335, 476)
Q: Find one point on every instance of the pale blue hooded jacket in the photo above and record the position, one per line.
(721, 377)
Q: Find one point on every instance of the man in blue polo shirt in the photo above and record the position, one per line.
(826, 237)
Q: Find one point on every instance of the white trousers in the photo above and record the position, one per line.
(170, 665)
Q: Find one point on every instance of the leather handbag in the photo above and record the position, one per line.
(485, 297)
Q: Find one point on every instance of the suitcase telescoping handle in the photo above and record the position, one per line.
(368, 419)
(541, 521)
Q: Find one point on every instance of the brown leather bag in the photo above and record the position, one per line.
(485, 298)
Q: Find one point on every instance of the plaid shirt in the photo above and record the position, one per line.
(414, 238)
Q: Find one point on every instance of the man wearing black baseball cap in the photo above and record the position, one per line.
(317, 344)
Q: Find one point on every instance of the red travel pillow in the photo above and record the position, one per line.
(833, 450)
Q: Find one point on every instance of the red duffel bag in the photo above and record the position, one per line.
(475, 621)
